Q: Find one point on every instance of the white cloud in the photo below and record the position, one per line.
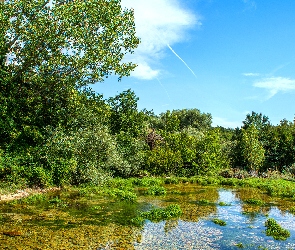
(158, 23)
(275, 85)
(251, 74)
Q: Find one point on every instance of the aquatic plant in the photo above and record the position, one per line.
(156, 191)
(239, 245)
(33, 199)
(147, 181)
(158, 214)
(275, 230)
(219, 222)
(57, 202)
(122, 195)
(223, 204)
(204, 202)
(175, 192)
(254, 201)
(292, 210)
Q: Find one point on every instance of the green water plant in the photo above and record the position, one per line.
(158, 214)
(239, 245)
(204, 202)
(219, 222)
(254, 201)
(275, 230)
(292, 210)
(156, 191)
(33, 199)
(122, 195)
(222, 203)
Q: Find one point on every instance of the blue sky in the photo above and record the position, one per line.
(227, 58)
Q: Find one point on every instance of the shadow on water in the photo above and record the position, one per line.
(73, 220)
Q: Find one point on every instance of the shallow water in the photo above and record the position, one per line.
(98, 222)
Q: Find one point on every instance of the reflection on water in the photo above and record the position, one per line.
(97, 223)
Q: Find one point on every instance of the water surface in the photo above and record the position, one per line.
(94, 221)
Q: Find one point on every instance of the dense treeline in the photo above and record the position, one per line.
(54, 130)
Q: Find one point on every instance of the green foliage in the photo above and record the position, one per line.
(252, 148)
(88, 43)
(275, 230)
(209, 157)
(178, 120)
(133, 151)
(124, 114)
(163, 161)
(219, 222)
(156, 191)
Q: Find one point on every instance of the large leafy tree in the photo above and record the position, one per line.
(81, 41)
(52, 49)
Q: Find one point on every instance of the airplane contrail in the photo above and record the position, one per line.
(164, 89)
(181, 60)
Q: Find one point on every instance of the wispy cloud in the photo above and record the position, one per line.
(251, 74)
(158, 23)
(275, 85)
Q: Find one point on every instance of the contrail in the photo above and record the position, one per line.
(181, 60)
(164, 88)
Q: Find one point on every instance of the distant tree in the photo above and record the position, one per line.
(125, 116)
(251, 148)
(209, 156)
(280, 149)
(258, 120)
(193, 118)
